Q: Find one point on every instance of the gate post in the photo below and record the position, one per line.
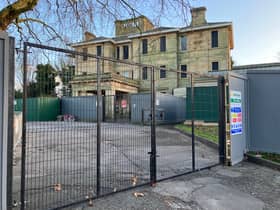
(98, 141)
(23, 145)
(10, 121)
(153, 157)
(222, 119)
(193, 133)
(6, 118)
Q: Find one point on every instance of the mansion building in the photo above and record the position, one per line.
(200, 47)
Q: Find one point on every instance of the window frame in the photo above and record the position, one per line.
(217, 63)
(186, 45)
(215, 39)
(162, 71)
(118, 52)
(125, 57)
(85, 51)
(99, 47)
(184, 71)
(162, 44)
(145, 73)
(125, 74)
(144, 46)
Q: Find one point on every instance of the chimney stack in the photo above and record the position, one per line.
(88, 36)
(198, 16)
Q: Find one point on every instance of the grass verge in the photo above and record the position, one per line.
(268, 156)
(207, 132)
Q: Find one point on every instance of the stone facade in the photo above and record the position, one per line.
(199, 53)
(133, 25)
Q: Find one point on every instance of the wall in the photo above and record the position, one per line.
(167, 58)
(169, 109)
(83, 108)
(40, 109)
(264, 114)
(133, 25)
(200, 55)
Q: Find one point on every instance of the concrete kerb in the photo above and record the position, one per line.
(262, 162)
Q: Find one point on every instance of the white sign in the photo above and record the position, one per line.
(157, 102)
(235, 113)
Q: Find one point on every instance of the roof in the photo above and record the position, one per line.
(155, 31)
(102, 39)
(209, 24)
(159, 29)
(257, 66)
(183, 29)
(120, 38)
(97, 39)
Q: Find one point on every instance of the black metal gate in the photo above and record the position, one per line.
(87, 133)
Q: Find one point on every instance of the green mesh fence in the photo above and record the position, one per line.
(206, 107)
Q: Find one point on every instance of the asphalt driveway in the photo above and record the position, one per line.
(61, 160)
(245, 186)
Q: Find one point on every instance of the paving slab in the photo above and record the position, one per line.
(218, 196)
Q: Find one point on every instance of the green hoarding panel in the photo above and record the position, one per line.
(205, 104)
(40, 109)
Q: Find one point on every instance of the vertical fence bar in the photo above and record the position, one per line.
(193, 134)
(23, 146)
(222, 119)
(10, 122)
(153, 165)
(98, 141)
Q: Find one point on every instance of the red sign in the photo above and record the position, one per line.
(124, 103)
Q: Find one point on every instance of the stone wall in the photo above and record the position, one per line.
(133, 25)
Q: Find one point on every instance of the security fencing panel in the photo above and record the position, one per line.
(187, 134)
(78, 139)
(94, 126)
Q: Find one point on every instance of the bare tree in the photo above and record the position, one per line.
(59, 22)
(66, 20)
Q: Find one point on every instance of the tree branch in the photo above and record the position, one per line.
(12, 11)
(23, 20)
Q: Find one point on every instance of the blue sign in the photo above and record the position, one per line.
(235, 113)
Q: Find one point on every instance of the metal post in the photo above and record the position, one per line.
(222, 120)
(23, 146)
(153, 158)
(193, 134)
(4, 117)
(98, 142)
(10, 122)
